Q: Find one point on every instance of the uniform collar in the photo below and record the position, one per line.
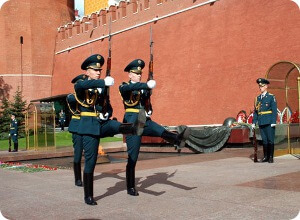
(263, 94)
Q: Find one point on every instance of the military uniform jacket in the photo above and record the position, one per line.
(13, 127)
(135, 95)
(265, 110)
(90, 95)
(62, 117)
(74, 109)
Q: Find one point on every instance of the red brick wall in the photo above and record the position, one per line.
(37, 22)
(206, 60)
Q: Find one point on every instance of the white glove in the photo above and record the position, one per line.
(15, 134)
(151, 84)
(253, 126)
(103, 117)
(273, 125)
(99, 90)
(109, 81)
(8, 135)
(149, 113)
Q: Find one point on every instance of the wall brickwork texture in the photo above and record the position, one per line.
(206, 57)
(206, 60)
(30, 64)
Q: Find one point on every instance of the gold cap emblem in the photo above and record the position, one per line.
(139, 61)
(98, 64)
(139, 68)
(98, 57)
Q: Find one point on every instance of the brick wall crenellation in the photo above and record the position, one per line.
(206, 60)
(124, 15)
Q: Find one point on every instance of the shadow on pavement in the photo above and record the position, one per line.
(142, 186)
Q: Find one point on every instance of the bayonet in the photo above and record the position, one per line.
(108, 72)
(148, 106)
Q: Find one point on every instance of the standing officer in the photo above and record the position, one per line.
(13, 133)
(265, 113)
(62, 120)
(94, 123)
(76, 138)
(135, 95)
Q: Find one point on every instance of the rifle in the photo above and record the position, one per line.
(108, 69)
(255, 146)
(150, 74)
(9, 143)
(148, 106)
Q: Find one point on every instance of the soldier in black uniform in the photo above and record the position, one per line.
(135, 95)
(265, 114)
(94, 123)
(76, 138)
(14, 132)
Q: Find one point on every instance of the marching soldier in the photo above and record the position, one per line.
(135, 95)
(13, 133)
(76, 138)
(94, 123)
(265, 114)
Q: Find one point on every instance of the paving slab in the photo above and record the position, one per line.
(221, 185)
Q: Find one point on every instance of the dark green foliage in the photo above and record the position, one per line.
(5, 113)
(17, 107)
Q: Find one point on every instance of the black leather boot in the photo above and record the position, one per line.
(130, 181)
(77, 174)
(140, 122)
(15, 147)
(266, 154)
(271, 153)
(171, 137)
(127, 128)
(134, 129)
(177, 139)
(88, 188)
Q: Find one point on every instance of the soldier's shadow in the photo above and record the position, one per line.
(141, 186)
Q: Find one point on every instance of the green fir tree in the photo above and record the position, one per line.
(5, 114)
(18, 109)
